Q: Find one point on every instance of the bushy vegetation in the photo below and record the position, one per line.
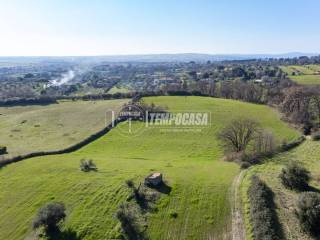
(137, 194)
(262, 211)
(50, 216)
(295, 177)
(245, 141)
(173, 214)
(245, 165)
(316, 136)
(301, 105)
(132, 222)
(87, 165)
(133, 213)
(308, 155)
(308, 212)
(285, 146)
(3, 150)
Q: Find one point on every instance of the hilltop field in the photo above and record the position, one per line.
(26, 129)
(304, 75)
(191, 163)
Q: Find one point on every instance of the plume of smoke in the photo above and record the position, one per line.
(66, 77)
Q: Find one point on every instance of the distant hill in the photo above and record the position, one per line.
(179, 57)
(197, 57)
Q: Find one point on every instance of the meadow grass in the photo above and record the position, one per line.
(117, 89)
(306, 79)
(26, 129)
(305, 75)
(191, 163)
(306, 69)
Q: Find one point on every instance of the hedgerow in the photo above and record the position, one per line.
(262, 211)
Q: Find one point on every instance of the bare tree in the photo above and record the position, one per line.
(226, 90)
(264, 143)
(296, 104)
(237, 135)
(315, 105)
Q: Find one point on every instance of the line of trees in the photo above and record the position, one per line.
(301, 105)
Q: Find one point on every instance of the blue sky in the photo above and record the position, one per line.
(109, 27)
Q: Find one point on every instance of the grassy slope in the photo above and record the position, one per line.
(190, 162)
(308, 154)
(24, 128)
(117, 89)
(307, 79)
(309, 73)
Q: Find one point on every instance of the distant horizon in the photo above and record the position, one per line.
(174, 53)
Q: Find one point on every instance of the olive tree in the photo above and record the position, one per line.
(295, 177)
(49, 217)
(308, 212)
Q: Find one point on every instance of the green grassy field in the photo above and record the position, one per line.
(190, 161)
(306, 79)
(117, 89)
(307, 154)
(26, 129)
(304, 75)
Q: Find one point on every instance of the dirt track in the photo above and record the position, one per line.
(238, 229)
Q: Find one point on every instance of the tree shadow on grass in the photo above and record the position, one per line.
(277, 226)
(147, 195)
(312, 189)
(67, 234)
(162, 188)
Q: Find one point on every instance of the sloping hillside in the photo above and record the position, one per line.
(307, 154)
(26, 129)
(191, 162)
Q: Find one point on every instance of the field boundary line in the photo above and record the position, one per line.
(69, 149)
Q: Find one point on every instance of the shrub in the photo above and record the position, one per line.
(307, 128)
(50, 216)
(252, 158)
(173, 214)
(315, 136)
(130, 184)
(295, 177)
(137, 194)
(262, 211)
(130, 223)
(3, 150)
(245, 165)
(308, 212)
(87, 165)
(234, 156)
(287, 146)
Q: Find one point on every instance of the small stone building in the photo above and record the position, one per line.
(154, 179)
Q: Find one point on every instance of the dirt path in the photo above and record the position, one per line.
(238, 228)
